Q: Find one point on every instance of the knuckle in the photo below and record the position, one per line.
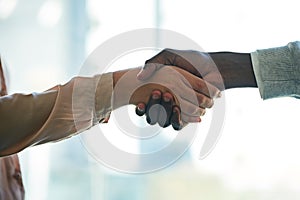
(202, 112)
(206, 102)
(200, 84)
(166, 50)
(210, 103)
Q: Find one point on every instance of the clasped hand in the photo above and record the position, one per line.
(199, 74)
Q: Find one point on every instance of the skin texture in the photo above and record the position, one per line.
(192, 93)
(235, 68)
(197, 63)
(169, 80)
(38, 126)
(224, 70)
(173, 93)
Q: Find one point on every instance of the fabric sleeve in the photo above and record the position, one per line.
(78, 105)
(277, 71)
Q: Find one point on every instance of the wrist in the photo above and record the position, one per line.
(125, 85)
(127, 89)
(235, 68)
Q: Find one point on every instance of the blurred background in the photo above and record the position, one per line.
(45, 42)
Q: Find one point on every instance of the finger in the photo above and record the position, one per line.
(195, 98)
(153, 107)
(176, 121)
(191, 109)
(207, 89)
(216, 80)
(166, 110)
(165, 57)
(179, 120)
(140, 109)
(204, 101)
(190, 119)
(200, 85)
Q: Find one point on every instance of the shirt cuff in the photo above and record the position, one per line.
(103, 97)
(277, 71)
(80, 104)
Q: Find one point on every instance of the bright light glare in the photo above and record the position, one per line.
(7, 7)
(50, 13)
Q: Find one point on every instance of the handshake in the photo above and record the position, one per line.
(173, 88)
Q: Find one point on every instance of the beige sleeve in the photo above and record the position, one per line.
(56, 114)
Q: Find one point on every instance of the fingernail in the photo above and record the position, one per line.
(175, 110)
(156, 94)
(177, 126)
(141, 107)
(167, 97)
(219, 94)
(195, 119)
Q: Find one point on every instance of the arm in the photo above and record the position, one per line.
(83, 102)
(22, 115)
(236, 69)
(275, 71)
(37, 118)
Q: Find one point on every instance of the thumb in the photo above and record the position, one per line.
(147, 71)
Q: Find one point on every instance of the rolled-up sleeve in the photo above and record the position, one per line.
(77, 106)
(277, 71)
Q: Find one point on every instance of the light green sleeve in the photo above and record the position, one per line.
(277, 71)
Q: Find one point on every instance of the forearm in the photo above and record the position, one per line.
(53, 115)
(22, 116)
(275, 71)
(235, 68)
(64, 110)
